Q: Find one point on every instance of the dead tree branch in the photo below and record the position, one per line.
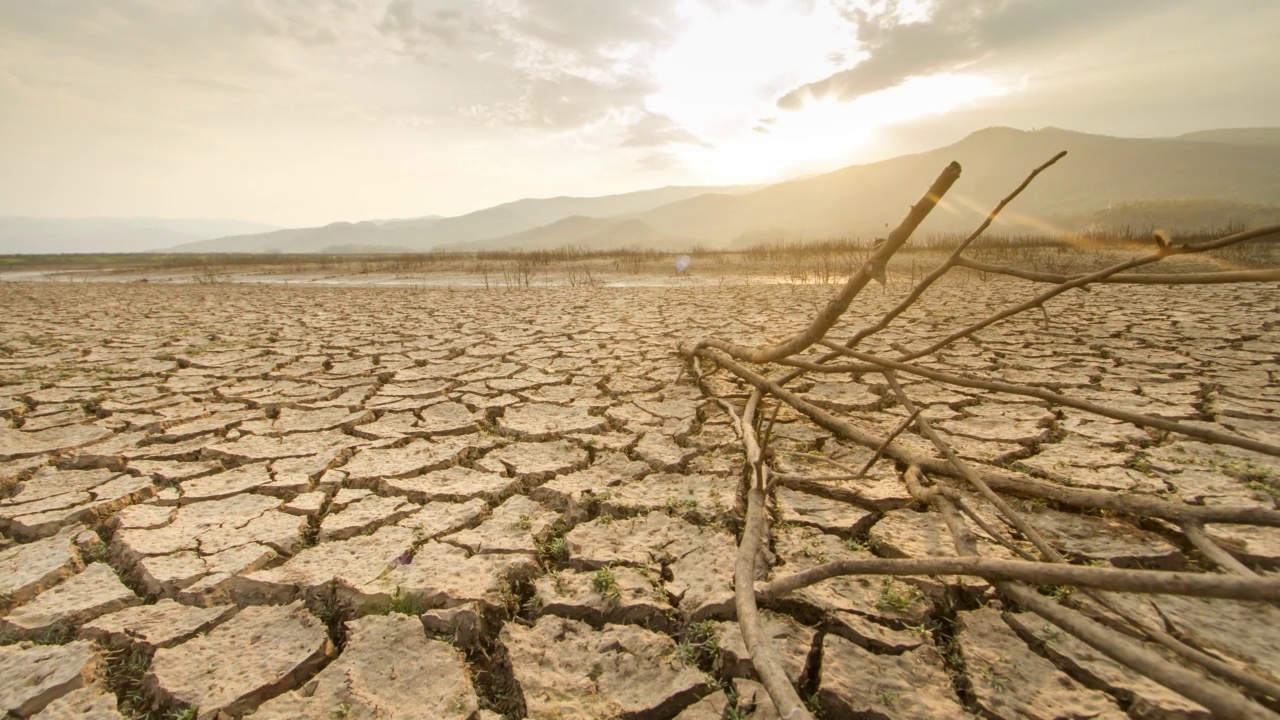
(873, 268)
(993, 484)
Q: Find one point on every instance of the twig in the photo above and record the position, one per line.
(937, 272)
(879, 453)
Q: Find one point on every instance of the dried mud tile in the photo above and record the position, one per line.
(29, 568)
(389, 668)
(164, 624)
(95, 591)
(364, 516)
(517, 525)
(565, 668)
(856, 683)
(273, 646)
(619, 595)
(1011, 681)
(34, 676)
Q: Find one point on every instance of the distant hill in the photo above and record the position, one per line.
(431, 232)
(32, 235)
(1238, 136)
(594, 233)
(1098, 172)
(1141, 218)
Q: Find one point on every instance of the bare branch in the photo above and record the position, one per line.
(1231, 587)
(875, 265)
(1161, 252)
(763, 658)
(1213, 436)
(1215, 554)
(1204, 278)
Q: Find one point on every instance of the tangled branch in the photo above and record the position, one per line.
(935, 481)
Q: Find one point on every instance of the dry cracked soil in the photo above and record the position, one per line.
(274, 502)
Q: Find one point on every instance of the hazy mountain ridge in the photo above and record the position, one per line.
(1098, 172)
(1240, 136)
(36, 235)
(1197, 180)
(429, 233)
(1187, 215)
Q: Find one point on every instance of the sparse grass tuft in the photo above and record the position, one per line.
(405, 603)
(605, 582)
(699, 645)
(891, 598)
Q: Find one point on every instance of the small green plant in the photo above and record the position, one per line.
(553, 550)
(891, 598)
(857, 545)
(532, 606)
(95, 553)
(998, 682)
(1264, 489)
(342, 712)
(405, 603)
(182, 714)
(1057, 592)
(676, 506)
(524, 522)
(888, 697)
(814, 704)
(603, 581)
(700, 643)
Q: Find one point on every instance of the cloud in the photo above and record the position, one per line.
(575, 63)
(656, 130)
(954, 35)
(418, 34)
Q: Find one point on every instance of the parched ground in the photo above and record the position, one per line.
(380, 502)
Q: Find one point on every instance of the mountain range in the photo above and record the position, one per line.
(1204, 178)
(31, 235)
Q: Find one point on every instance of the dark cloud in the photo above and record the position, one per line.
(958, 33)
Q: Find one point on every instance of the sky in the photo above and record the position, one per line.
(305, 112)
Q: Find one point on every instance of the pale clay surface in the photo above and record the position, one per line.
(264, 460)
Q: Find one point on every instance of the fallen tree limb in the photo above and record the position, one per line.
(1203, 278)
(1220, 700)
(1003, 480)
(763, 657)
(1162, 251)
(873, 268)
(1213, 436)
(1230, 587)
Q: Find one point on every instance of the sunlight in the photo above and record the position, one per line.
(827, 133)
(723, 76)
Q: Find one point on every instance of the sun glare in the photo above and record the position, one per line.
(723, 76)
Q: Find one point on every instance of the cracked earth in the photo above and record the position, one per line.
(378, 502)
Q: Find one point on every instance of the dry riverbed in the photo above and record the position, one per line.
(302, 502)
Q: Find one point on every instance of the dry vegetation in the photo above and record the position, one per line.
(517, 497)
